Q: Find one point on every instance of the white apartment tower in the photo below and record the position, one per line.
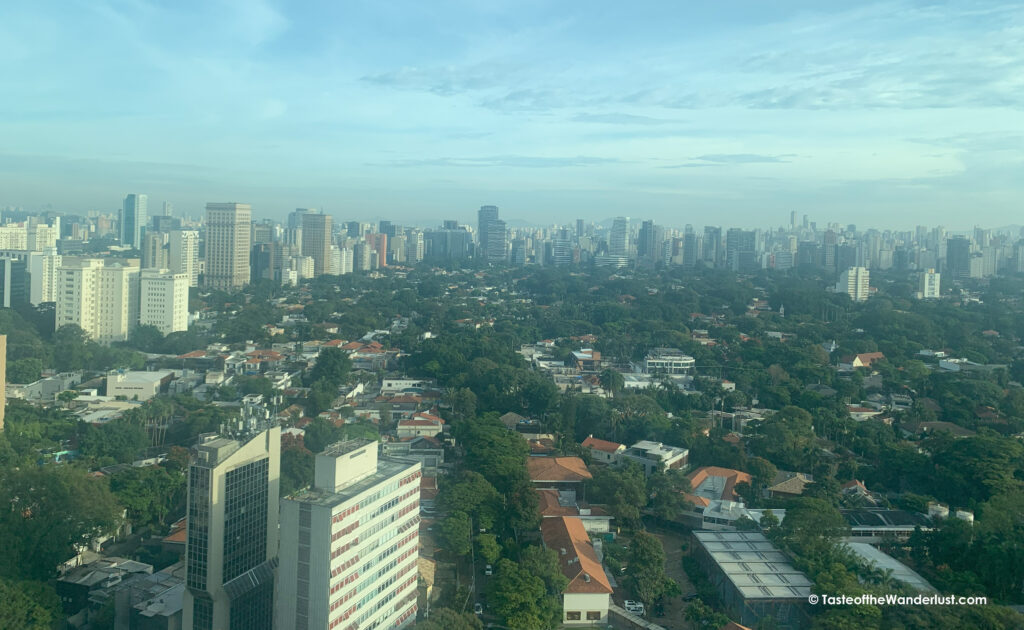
(228, 236)
(854, 282)
(163, 300)
(183, 254)
(102, 299)
(349, 545)
(928, 287)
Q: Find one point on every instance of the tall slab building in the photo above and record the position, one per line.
(228, 235)
(231, 546)
(133, 219)
(350, 544)
(316, 240)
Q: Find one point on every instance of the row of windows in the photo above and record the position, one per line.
(575, 615)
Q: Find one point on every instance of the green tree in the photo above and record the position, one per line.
(518, 598)
(612, 381)
(332, 366)
(146, 338)
(448, 619)
(24, 607)
(457, 532)
(704, 616)
(27, 370)
(149, 493)
(645, 576)
(488, 548)
(52, 509)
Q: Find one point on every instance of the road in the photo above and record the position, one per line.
(672, 616)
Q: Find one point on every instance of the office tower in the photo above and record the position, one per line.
(928, 285)
(579, 229)
(648, 245)
(228, 230)
(316, 240)
(349, 545)
(362, 255)
(3, 378)
(561, 251)
(712, 254)
(161, 223)
(168, 209)
(740, 249)
(828, 250)
(262, 261)
(163, 300)
(14, 284)
(484, 217)
(385, 227)
(690, 248)
(102, 299)
(618, 240)
(231, 545)
(379, 244)
(133, 219)
(154, 252)
(492, 235)
(958, 258)
(792, 220)
(854, 282)
(183, 254)
(353, 229)
(262, 232)
(414, 246)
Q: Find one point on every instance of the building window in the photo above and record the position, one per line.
(593, 615)
(572, 615)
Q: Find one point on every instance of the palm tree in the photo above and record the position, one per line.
(611, 381)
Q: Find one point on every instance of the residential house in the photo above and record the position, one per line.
(603, 451)
(587, 596)
(654, 456)
(560, 473)
(863, 360)
(787, 484)
(556, 504)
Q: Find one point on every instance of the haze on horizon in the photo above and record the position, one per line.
(885, 114)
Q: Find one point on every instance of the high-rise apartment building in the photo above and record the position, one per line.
(231, 544)
(133, 219)
(183, 254)
(228, 231)
(154, 251)
(349, 545)
(928, 285)
(14, 283)
(855, 283)
(618, 240)
(100, 296)
(316, 240)
(163, 300)
(378, 243)
(741, 250)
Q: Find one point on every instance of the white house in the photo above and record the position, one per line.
(586, 598)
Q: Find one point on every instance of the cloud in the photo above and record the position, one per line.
(448, 81)
(512, 161)
(744, 158)
(618, 118)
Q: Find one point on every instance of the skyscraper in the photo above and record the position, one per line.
(316, 240)
(230, 549)
(618, 240)
(929, 285)
(101, 296)
(492, 235)
(133, 219)
(349, 545)
(183, 254)
(713, 246)
(958, 258)
(228, 231)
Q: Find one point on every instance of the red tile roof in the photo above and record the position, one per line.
(576, 555)
(601, 445)
(732, 477)
(557, 469)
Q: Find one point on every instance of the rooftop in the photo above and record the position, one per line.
(884, 561)
(602, 445)
(576, 555)
(557, 469)
(710, 483)
(387, 467)
(754, 566)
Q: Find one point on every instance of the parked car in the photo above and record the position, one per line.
(488, 570)
(635, 607)
(478, 608)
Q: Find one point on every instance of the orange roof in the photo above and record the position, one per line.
(195, 354)
(422, 415)
(557, 469)
(732, 477)
(576, 556)
(601, 445)
(549, 506)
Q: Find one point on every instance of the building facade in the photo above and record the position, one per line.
(855, 283)
(228, 232)
(349, 545)
(102, 299)
(230, 549)
(183, 254)
(316, 240)
(929, 285)
(163, 300)
(133, 219)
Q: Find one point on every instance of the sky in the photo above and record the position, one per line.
(887, 114)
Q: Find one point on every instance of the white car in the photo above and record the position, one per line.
(478, 608)
(635, 607)
(488, 570)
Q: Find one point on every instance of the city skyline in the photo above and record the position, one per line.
(407, 111)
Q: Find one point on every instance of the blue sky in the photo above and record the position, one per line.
(887, 113)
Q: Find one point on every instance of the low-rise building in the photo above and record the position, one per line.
(603, 451)
(668, 361)
(586, 598)
(426, 450)
(556, 504)
(875, 525)
(754, 579)
(134, 385)
(654, 456)
(560, 473)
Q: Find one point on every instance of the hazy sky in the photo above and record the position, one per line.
(887, 113)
